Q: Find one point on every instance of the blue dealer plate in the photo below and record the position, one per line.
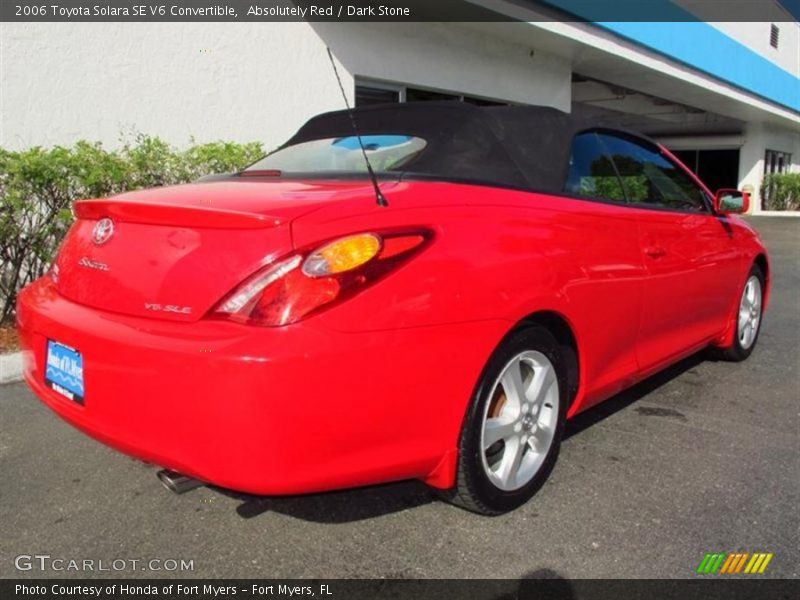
(64, 371)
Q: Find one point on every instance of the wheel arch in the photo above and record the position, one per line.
(564, 332)
(763, 263)
(760, 259)
(443, 476)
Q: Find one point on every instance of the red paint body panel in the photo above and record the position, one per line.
(163, 265)
(374, 388)
(261, 409)
(690, 255)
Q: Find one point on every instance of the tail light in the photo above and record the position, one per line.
(288, 290)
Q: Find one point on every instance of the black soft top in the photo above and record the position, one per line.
(515, 146)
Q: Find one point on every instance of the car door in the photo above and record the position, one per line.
(690, 261)
(602, 242)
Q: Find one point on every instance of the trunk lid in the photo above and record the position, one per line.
(173, 253)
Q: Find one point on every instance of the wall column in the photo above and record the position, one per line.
(751, 164)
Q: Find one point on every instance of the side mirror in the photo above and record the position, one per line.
(728, 202)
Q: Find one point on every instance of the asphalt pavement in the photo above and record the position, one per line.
(704, 457)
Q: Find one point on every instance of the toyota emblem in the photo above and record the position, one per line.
(103, 231)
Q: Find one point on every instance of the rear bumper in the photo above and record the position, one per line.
(273, 411)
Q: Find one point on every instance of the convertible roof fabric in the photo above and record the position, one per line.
(516, 146)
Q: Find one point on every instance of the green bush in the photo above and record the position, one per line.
(781, 191)
(38, 186)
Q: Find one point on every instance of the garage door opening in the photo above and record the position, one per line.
(716, 168)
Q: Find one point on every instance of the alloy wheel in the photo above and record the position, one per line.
(749, 312)
(520, 420)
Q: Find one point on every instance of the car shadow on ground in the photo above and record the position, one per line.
(624, 399)
(343, 506)
(366, 503)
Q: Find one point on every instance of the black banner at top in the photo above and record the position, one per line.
(399, 10)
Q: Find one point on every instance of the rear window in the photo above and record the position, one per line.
(386, 152)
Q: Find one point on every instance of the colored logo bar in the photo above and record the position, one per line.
(734, 563)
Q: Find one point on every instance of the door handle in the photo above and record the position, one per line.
(655, 251)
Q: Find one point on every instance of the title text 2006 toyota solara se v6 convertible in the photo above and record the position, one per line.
(311, 324)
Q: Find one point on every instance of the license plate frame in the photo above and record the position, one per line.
(63, 371)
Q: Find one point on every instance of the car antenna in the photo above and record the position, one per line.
(379, 197)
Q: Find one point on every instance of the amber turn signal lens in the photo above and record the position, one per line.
(342, 255)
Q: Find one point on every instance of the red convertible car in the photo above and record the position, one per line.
(311, 323)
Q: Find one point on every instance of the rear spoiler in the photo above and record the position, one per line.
(172, 214)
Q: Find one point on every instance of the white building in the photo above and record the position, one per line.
(724, 96)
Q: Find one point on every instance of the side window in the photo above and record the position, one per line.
(650, 178)
(591, 172)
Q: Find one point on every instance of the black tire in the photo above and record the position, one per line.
(474, 490)
(736, 352)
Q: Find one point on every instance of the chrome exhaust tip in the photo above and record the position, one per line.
(176, 482)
